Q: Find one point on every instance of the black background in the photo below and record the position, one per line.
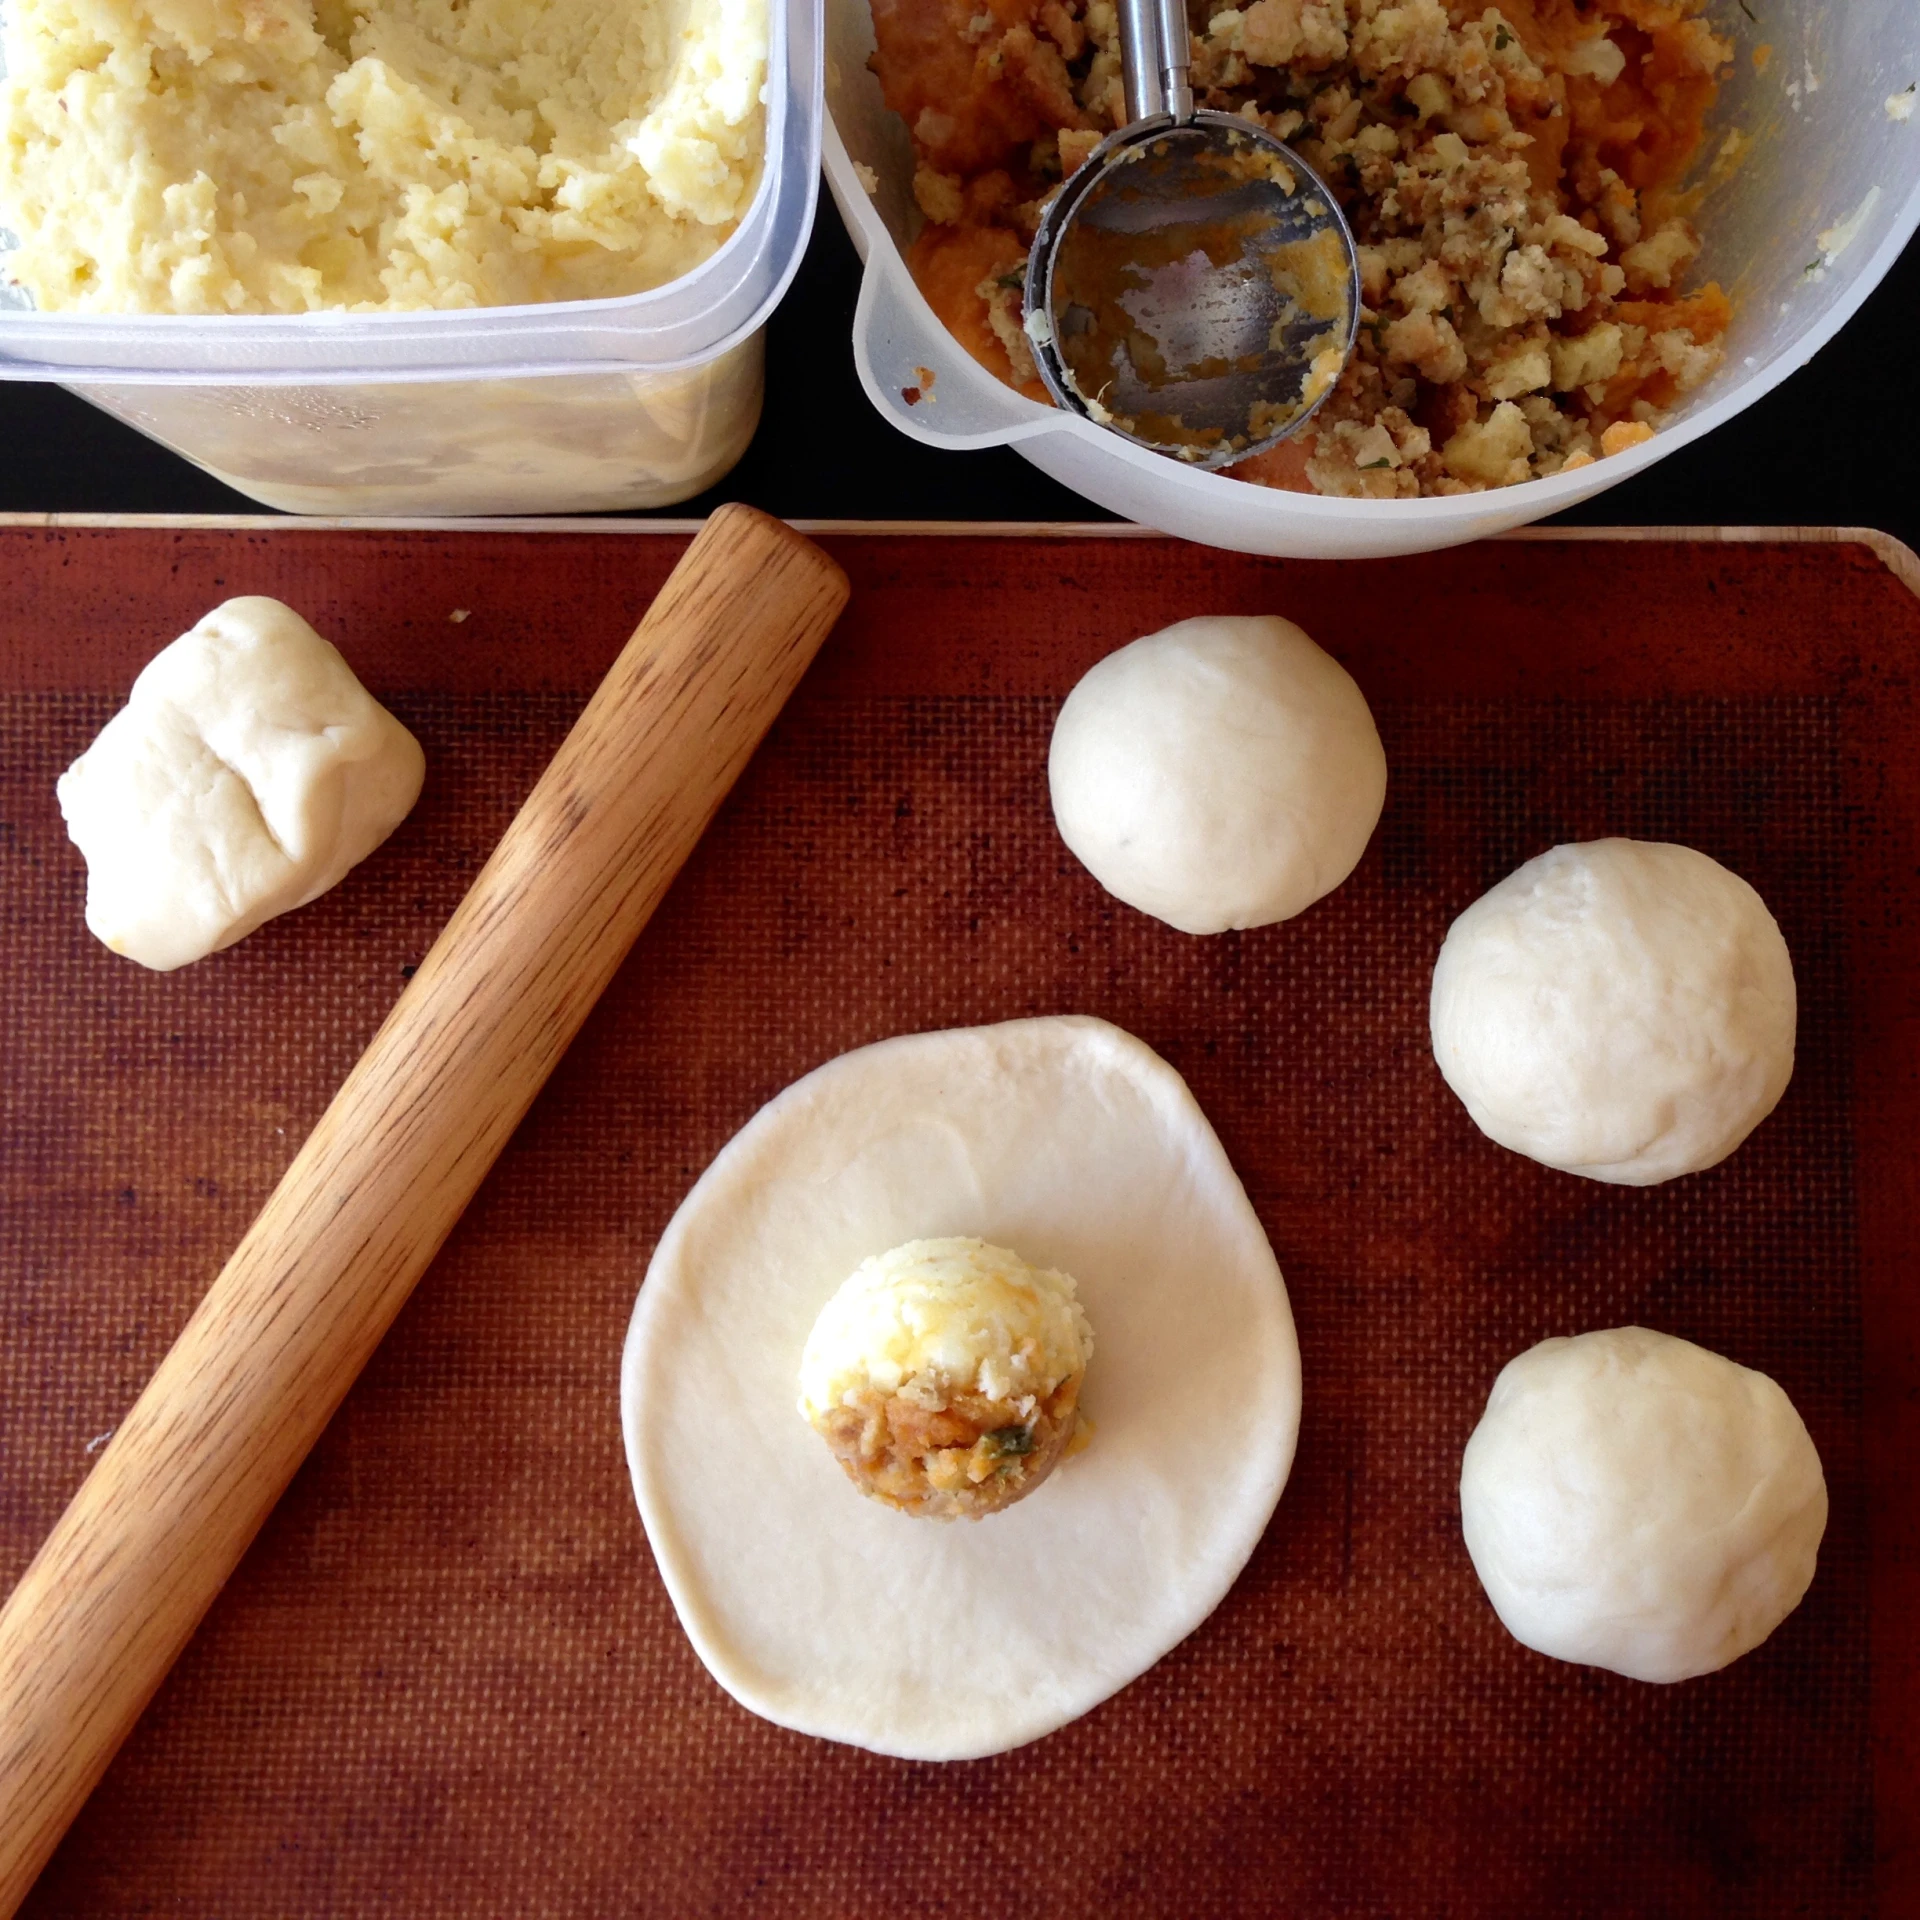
(1837, 444)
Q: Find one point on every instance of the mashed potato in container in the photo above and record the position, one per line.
(413, 258)
(259, 156)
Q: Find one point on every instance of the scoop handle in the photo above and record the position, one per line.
(1156, 59)
(173, 1501)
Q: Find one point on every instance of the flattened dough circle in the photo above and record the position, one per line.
(1077, 1145)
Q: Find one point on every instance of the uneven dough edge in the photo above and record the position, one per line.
(1264, 1448)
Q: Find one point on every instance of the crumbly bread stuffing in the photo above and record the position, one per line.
(1511, 174)
(962, 1460)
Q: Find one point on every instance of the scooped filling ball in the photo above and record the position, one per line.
(945, 1375)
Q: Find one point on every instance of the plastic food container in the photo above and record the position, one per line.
(1799, 235)
(570, 407)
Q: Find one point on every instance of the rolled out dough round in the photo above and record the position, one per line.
(1224, 772)
(1634, 1502)
(1622, 1009)
(1074, 1144)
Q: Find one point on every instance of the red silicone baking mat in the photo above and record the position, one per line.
(447, 1679)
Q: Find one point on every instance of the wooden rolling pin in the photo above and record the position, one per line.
(196, 1466)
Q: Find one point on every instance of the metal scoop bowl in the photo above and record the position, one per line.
(1193, 286)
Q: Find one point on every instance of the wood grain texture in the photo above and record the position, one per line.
(194, 1469)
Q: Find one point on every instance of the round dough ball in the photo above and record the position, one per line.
(1622, 1009)
(1224, 772)
(1634, 1502)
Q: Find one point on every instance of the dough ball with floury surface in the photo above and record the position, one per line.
(1634, 1502)
(1621, 1009)
(1224, 772)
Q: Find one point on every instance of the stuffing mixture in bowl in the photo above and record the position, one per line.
(1512, 175)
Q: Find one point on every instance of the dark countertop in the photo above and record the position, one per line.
(1837, 444)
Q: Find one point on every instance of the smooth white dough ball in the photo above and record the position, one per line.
(1224, 772)
(1622, 1009)
(1634, 1502)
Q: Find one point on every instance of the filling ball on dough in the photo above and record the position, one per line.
(833, 1615)
(946, 1375)
(247, 773)
(1622, 1009)
(1224, 772)
(1634, 1502)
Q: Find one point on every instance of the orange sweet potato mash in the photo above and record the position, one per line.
(1512, 174)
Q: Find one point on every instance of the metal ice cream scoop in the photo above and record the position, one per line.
(1193, 285)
